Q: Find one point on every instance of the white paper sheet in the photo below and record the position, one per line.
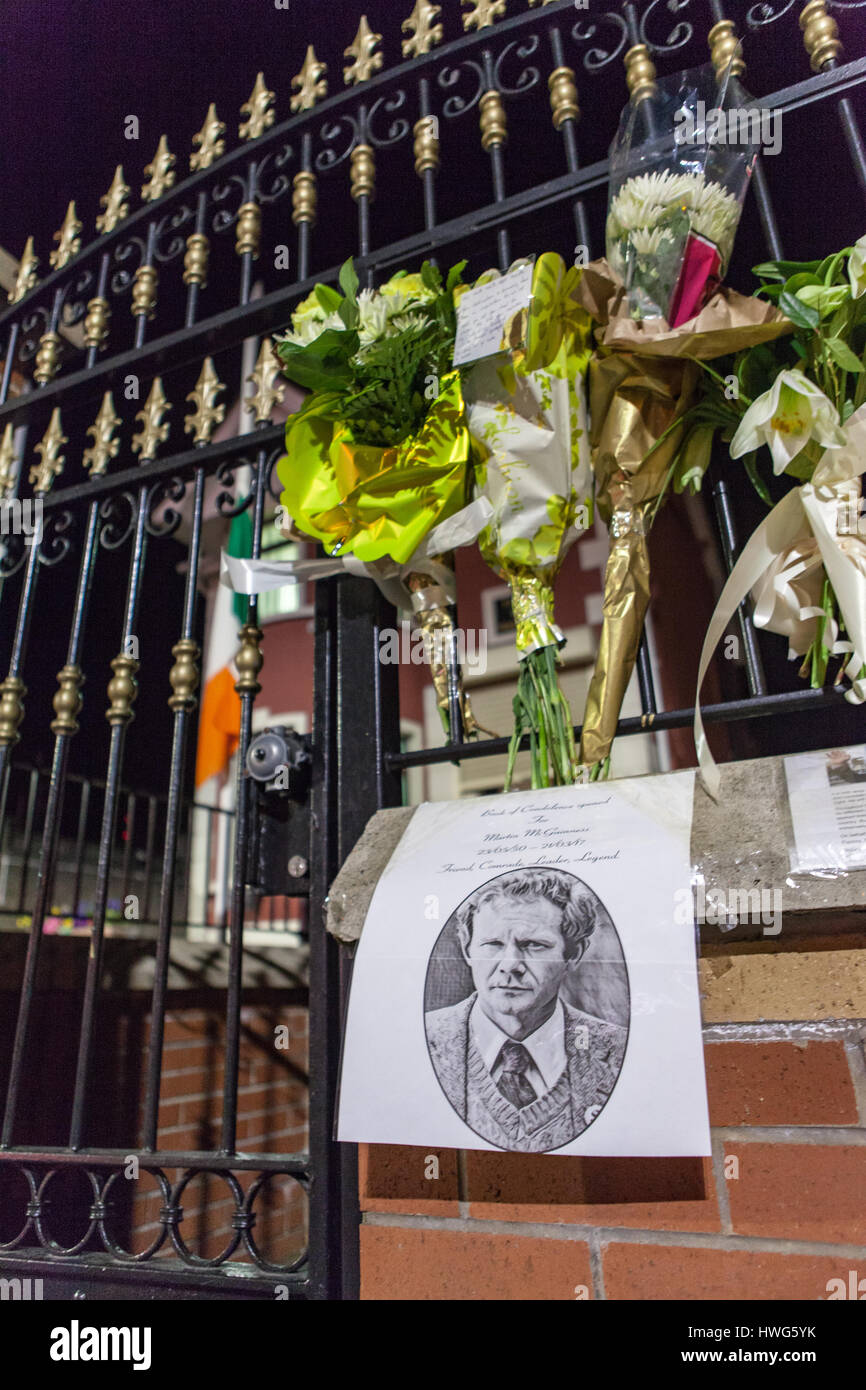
(482, 314)
(422, 1063)
(827, 794)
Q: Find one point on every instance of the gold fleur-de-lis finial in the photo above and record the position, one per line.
(42, 474)
(8, 471)
(266, 379)
(115, 202)
(209, 140)
(207, 414)
(484, 13)
(153, 431)
(310, 82)
(366, 60)
(159, 174)
(425, 33)
(105, 446)
(26, 277)
(68, 239)
(533, 3)
(258, 109)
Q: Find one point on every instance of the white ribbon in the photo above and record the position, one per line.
(259, 576)
(783, 564)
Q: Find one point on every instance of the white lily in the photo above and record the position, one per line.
(857, 267)
(785, 418)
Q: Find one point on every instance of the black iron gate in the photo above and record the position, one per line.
(472, 147)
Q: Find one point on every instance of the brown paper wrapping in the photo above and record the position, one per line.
(641, 381)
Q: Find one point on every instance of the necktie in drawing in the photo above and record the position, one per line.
(513, 1083)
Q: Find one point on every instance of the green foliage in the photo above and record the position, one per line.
(382, 388)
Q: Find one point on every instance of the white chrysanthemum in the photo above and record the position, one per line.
(374, 317)
(646, 242)
(643, 200)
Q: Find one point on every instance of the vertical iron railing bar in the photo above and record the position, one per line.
(755, 677)
(142, 317)
(51, 830)
(109, 816)
(195, 286)
(766, 212)
(150, 837)
(80, 844)
(129, 832)
(247, 257)
(428, 174)
(305, 224)
(11, 348)
(497, 163)
(325, 1020)
(27, 838)
(249, 664)
(569, 140)
(183, 704)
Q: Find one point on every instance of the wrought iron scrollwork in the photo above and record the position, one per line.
(249, 1201)
(281, 183)
(55, 543)
(328, 133)
(124, 251)
(397, 130)
(678, 36)
(35, 1228)
(275, 488)
(159, 499)
(73, 310)
(766, 13)
(224, 218)
(458, 105)
(13, 552)
(32, 328)
(171, 223)
(598, 57)
(115, 529)
(227, 504)
(529, 75)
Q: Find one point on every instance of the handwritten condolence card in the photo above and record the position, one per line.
(525, 980)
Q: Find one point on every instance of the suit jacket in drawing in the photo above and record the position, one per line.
(594, 1053)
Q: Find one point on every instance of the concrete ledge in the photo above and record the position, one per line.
(739, 845)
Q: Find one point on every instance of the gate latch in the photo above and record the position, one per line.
(280, 765)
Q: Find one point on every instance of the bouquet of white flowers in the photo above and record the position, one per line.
(680, 167)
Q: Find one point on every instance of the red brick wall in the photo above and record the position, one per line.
(777, 1212)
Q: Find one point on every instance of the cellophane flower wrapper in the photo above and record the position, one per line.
(642, 383)
(379, 453)
(527, 412)
(677, 189)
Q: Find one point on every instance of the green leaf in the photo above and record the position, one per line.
(795, 283)
(771, 291)
(323, 364)
(780, 270)
(798, 312)
(430, 277)
(751, 466)
(841, 353)
(328, 297)
(454, 276)
(349, 281)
